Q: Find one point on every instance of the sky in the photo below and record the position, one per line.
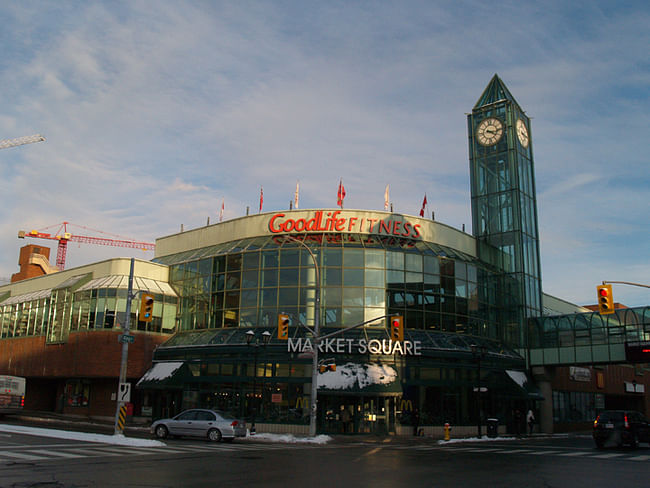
(157, 111)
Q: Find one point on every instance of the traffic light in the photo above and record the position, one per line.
(605, 299)
(146, 307)
(397, 328)
(283, 326)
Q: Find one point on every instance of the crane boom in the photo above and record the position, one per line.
(64, 237)
(19, 141)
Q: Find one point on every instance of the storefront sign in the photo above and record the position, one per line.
(354, 346)
(335, 222)
(579, 374)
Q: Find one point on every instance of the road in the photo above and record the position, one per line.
(32, 461)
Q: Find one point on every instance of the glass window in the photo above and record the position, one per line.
(332, 296)
(269, 277)
(251, 260)
(249, 298)
(233, 262)
(287, 296)
(289, 276)
(375, 297)
(249, 278)
(394, 260)
(446, 267)
(375, 277)
(289, 257)
(353, 297)
(353, 258)
(395, 278)
(333, 276)
(353, 277)
(413, 262)
(332, 257)
(270, 259)
(269, 297)
(375, 258)
(205, 267)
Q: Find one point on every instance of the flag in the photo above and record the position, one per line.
(386, 198)
(221, 212)
(295, 196)
(340, 194)
(424, 204)
(261, 198)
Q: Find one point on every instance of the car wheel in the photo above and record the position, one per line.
(214, 435)
(162, 432)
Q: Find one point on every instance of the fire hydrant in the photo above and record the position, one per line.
(447, 431)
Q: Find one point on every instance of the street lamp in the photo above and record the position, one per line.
(479, 352)
(251, 340)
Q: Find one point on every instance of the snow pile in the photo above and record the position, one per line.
(118, 439)
(288, 438)
(347, 375)
(518, 377)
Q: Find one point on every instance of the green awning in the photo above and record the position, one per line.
(360, 379)
(526, 387)
(164, 375)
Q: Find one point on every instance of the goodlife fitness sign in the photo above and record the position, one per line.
(336, 221)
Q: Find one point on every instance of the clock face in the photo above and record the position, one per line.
(522, 133)
(489, 131)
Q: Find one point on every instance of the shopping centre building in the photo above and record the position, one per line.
(223, 293)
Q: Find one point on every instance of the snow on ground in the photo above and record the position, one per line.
(119, 439)
(288, 438)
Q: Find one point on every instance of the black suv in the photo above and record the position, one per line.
(622, 427)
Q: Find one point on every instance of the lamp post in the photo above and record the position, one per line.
(479, 352)
(313, 403)
(251, 340)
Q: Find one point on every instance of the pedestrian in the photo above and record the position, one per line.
(416, 421)
(530, 420)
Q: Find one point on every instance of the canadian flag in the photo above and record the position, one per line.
(261, 198)
(340, 194)
(424, 204)
(221, 211)
(296, 194)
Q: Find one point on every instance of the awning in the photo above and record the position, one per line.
(360, 379)
(166, 375)
(526, 386)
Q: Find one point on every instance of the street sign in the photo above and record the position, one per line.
(125, 338)
(124, 393)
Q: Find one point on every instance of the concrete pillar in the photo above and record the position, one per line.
(543, 377)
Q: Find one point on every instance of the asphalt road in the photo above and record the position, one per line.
(32, 461)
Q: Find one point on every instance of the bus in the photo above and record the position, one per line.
(12, 394)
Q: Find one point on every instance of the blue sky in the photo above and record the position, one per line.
(156, 111)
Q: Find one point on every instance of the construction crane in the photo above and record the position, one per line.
(63, 236)
(5, 143)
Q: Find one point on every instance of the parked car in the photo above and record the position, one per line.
(621, 427)
(211, 424)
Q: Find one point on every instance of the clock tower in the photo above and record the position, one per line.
(504, 206)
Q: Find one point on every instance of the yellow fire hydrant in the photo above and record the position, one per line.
(447, 431)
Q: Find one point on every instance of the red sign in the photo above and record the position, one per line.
(334, 222)
(276, 398)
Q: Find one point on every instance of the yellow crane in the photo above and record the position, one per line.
(19, 141)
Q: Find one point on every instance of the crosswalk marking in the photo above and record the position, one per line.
(19, 455)
(607, 456)
(639, 458)
(62, 454)
(542, 453)
(573, 454)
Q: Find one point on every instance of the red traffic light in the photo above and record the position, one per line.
(603, 292)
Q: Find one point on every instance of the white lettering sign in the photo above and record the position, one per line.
(360, 346)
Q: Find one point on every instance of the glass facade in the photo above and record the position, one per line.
(248, 283)
(57, 312)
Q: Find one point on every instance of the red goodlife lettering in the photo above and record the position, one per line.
(334, 222)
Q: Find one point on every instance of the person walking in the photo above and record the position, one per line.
(530, 420)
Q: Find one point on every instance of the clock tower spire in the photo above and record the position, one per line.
(504, 204)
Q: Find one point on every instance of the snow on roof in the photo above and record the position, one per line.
(347, 375)
(161, 371)
(518, 377)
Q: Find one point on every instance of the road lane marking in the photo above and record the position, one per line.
(573, 454)
(607, 456)
(639, 458)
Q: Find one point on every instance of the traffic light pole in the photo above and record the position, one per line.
(125, 350)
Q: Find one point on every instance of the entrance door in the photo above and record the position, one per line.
(357, 415)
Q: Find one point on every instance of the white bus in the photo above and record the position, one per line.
(12, 394)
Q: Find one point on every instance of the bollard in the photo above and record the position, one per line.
(447, 430)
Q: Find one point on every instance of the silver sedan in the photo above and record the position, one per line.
(211, 424)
